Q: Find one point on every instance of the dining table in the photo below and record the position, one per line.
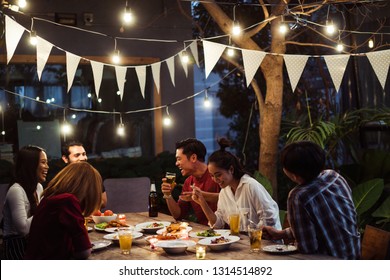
(142, 250)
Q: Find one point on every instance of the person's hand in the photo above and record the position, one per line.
(186, 196)
(166, 188)
(272, 233)
(197, 196)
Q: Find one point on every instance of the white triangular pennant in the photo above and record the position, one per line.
(171, 67)
(184, 64)
(380, 62)
(212, 53)
(156, 75)
(295, 65)
(252, 60)
(72, 61)
(97, 70)
(336, 66)
(43, 52)
(121, 78)
(13, 33)
(194, 51)
(141, 73)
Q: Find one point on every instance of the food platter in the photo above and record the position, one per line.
(175, 246)
(280, 249)
(163, 231)
(209, 241)
(152, 226)
(100, 244)
(114, 236)
(219, 232)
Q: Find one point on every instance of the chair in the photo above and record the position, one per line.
(127, 194)
(375, 244)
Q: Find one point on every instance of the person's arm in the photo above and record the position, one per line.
(198, 197)
(16, 204)
(210, 196)
(276, 234)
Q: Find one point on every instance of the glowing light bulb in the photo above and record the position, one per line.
(48, 101)
(116, 58)
(2, 132)
(236, 30)
(127, 16)
(52, 99)
(37, 98)
(89, 95)
(184, 57)
(283, 28)
(66, 128)
(39, 127)
(74, 116)
(33, 38)
(99, 100)
(22, 3)
(167, 121)
(118, 93)
(340, 47)
(207, 102)
(371, 43)
(230, 52)
(330, 28)
(121, 130)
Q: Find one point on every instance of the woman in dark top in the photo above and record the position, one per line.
(57, 230)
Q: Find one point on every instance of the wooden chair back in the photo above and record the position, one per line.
(375, 244)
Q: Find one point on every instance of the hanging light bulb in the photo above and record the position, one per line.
(66, 128)
(206, 101)
(39, 127)
(184, 57)
(3, 132)
(370, 43)
(121, 129)
(330, 27)
(283, 28)
(236, 30)
(22, 3)
(100, 100)
(230, 52)
(116, 58)
(167, 121)
(37, 98)
(74, 116)
(340, 46)
(33, 38)
(127, 15)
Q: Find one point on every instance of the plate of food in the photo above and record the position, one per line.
(154, 238)
(100, 244)
(112, 224)
(151, 227)
(209, 233)
(219, 243)
(116, 229)
(280, 249)
(175, 246)
(175, 229)
(114, 236)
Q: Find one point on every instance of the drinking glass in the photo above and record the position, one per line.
(171, 178)
(234, 222)
(255, 232)
(125, 240)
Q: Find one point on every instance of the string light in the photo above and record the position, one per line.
(128, 15)
(22, 3)
(121, 128)
(100, 100)
(283, 26)
(340, 46)
(38, 127)
(184, 57)
(115, 57)
(206, 101)
(236, 29)
(230, 51)
(89, 95)
(330, 28)
(33, 38)
(74, 116)
(2, 123)
(371, 43)
(167, 121)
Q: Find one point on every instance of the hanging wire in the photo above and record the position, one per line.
(246, 134)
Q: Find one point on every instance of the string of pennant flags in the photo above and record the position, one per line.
(252, 59)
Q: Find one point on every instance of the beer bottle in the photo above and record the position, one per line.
(153, 201)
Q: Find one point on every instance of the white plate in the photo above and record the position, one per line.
(175, 246)
(163, 231)
(100, 244)
(89, 229)
(114, 236)
(280, 249)
(115, 229)
(219, 246)
(221, 232)
(146, 226)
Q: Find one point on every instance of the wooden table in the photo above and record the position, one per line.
(141, 250)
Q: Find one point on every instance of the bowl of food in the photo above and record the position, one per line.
(105, 217)
(219, 243)
(175, 246)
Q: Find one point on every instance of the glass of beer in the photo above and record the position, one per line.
(171, 178)
(255, 232)
(234, 222)
(125, 240)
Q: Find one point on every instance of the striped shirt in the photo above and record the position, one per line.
(323, 217)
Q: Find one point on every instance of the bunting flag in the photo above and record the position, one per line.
(295, 65)
(380, 62)
(184, 64)
(13, 33)
(97, 71)
(141, 73)
(72, 61)
(156, 75)
(194, 51)
(336, 66)
(43, 52)
(212, 53)
(252, 60)
(121, 78)
(171, 67)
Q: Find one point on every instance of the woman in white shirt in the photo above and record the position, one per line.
(239, 193)
(22, 199)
